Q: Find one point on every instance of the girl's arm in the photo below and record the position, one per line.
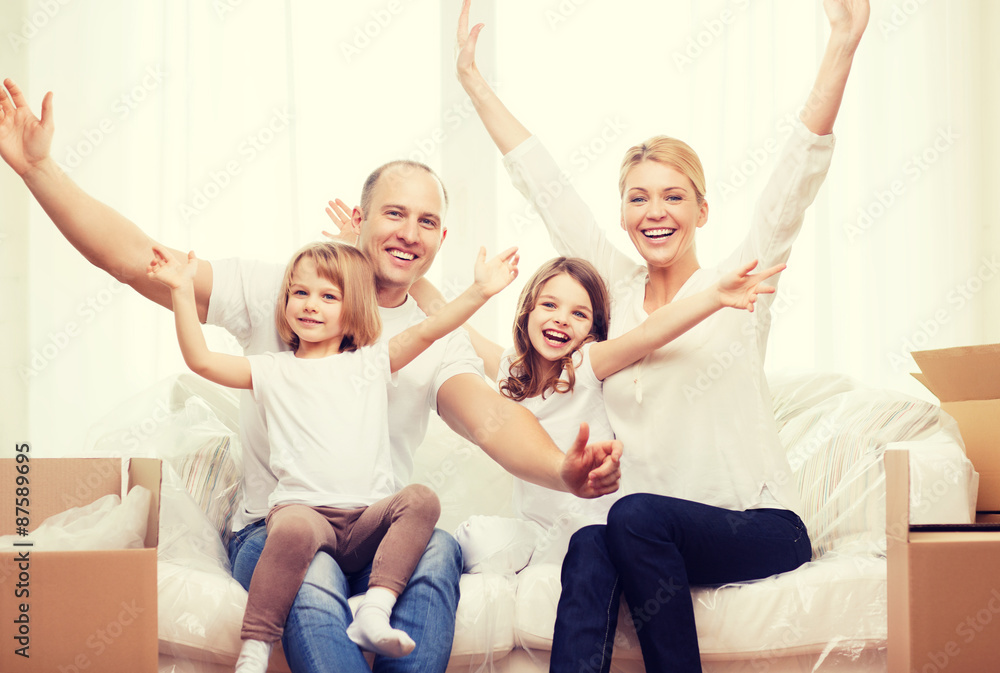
(491, 277)
(504, 128)
(232, 371)
(430, 300)
(738, 289)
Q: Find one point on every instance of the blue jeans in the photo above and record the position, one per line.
(654, 548)
(315, 637)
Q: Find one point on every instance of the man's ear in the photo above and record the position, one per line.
(444, 233)
(356, 218)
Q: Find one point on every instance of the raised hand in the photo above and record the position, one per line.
(24, 139)
(848, 17)
(739, 289)
(592, 470)
(342, 216)
(465, 62)
(172, 272)
(496, 274)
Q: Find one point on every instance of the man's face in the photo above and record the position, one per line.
(403, 228)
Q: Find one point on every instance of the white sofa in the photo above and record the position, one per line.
(827, 615)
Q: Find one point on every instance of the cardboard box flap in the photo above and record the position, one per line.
(147, 472)
(960, 374)
(57, 484)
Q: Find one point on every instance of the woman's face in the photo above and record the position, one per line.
(660, 213)
(561, 317)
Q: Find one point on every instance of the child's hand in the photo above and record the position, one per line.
(740, 288)
(343, 217)
(171, 271)
(496, 274)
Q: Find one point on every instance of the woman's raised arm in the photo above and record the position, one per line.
(507, 132)
(848, 19)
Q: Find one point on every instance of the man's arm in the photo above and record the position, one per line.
(103, 236)
(512, 436)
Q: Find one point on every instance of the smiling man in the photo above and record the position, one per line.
(400, 225)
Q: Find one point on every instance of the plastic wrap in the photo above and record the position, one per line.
(190, 424)
(106, 523)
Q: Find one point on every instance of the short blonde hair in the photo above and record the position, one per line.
(671, 152)
(349, 269)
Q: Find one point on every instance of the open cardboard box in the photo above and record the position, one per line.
(77, 611)
(967, 382)
(943, 586)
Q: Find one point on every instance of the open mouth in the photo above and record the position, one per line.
(658, 234)
(552, 335)
(403, 255)
(310, 321)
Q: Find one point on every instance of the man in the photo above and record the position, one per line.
(400, 225)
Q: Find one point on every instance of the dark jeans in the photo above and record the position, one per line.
(654, 548)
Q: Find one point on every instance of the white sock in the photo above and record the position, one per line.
(254, 656)
(371, 630)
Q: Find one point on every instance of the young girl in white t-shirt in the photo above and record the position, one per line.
(560, 358)
(325, 403)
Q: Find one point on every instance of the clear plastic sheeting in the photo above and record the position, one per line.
(109, 522)
(191, 425)
(836, 433)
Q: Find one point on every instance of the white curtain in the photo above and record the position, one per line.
(225, 126)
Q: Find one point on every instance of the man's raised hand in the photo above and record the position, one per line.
(25, 140)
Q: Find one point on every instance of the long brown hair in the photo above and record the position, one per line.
(346, 267)
(527, 377)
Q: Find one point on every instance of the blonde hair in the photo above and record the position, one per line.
(671, 152)
(346, 267)
(526, 378)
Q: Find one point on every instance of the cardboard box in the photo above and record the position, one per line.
(77, 611)
(943, 587)
(967, 382)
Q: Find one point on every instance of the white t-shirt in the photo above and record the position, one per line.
(243, 301)
(327, 426)
(560, 414)
(695, 417)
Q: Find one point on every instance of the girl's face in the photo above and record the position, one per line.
(660, 213)
(561, 318)
(313, 311)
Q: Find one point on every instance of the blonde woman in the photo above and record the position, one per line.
(706, 494)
